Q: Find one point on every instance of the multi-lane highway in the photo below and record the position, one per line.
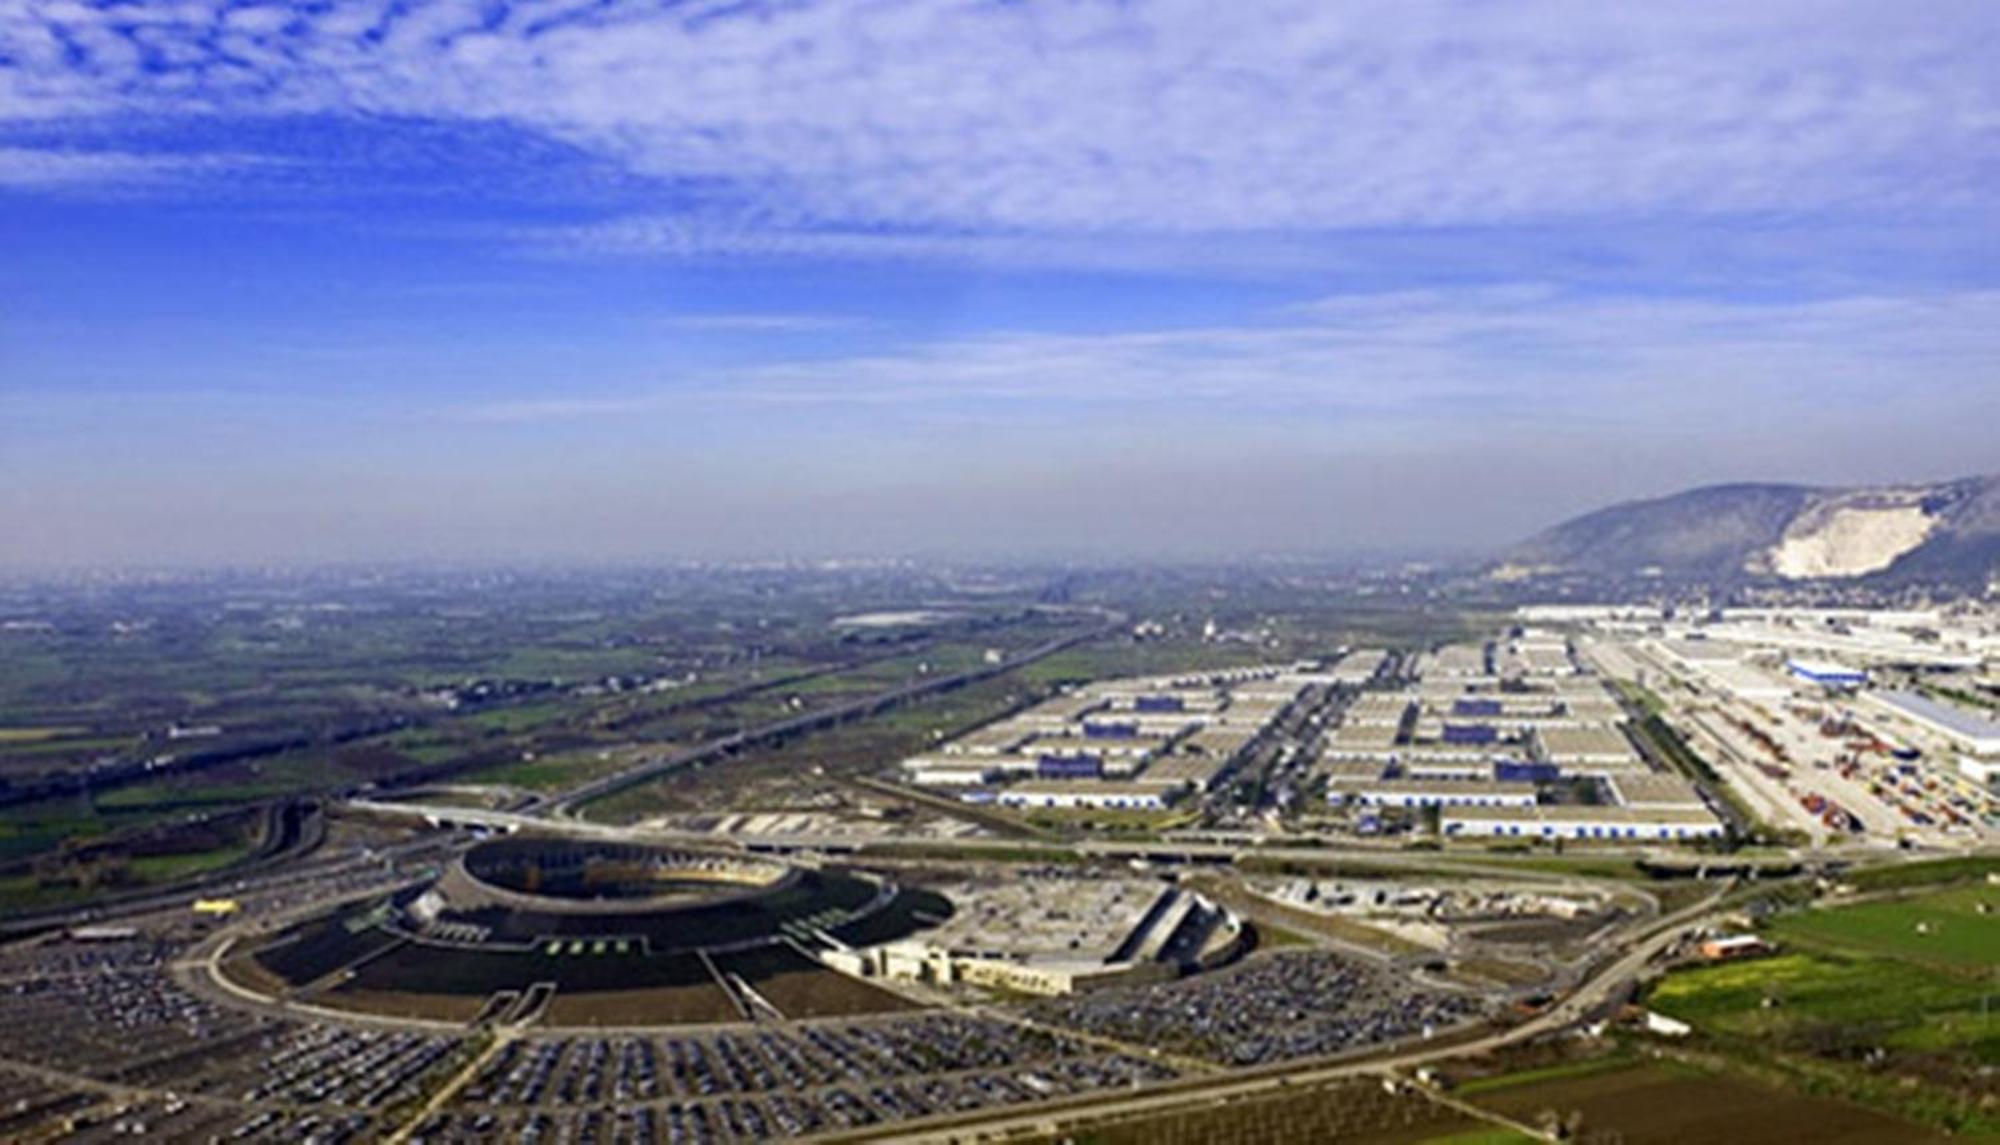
(566, 802)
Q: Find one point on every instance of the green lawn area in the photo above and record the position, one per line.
(1644, 697)
(1582, 866)
(1945, 927)
(1935, 872)
(167, 868)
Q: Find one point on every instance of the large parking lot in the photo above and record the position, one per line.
(146, 1057)
(1284, 1005)
(752, 1085)
(103, 1043)
(168, 1064)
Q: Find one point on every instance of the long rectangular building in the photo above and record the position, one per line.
(1587, 748)
(1359, 666)
(1571, 822)
(1440, 793)
(1970, 731)
(1127, 795)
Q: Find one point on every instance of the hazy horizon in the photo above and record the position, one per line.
(459, 281)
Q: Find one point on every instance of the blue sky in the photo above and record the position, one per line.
(365, 279)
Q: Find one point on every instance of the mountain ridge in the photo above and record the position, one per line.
(1945, 531)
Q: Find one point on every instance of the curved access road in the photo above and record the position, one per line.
(1596, 991)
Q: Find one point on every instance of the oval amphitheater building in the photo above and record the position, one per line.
(592, 933)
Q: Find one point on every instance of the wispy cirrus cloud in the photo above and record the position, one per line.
(1528, 357)
(1760, 240)
(761, 323)
(825, 128)
(34, 168)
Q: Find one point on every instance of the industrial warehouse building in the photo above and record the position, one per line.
(1826, 673)
(1447, 793)
(1362, 742)
(1586, 749)
(1487, 751)
(1128, 795)
(1610, 823)
(1125, 744)
(951, 771)
(1971, 732)
(1653, 790)
(1193, 771)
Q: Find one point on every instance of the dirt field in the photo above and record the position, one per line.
(244, 970)
(820, 993)
(1352, 1113)
(434, 1007)
(666, 1006)
(1668, 1104)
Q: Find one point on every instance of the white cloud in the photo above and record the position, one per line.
(823, 123)
(36, 168)
(1521, 359)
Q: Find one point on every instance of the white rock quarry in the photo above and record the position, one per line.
(1849, 540)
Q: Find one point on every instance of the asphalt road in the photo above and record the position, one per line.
(565, 802)
(1596, 992)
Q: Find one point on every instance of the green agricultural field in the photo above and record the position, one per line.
(167, 868)
(1355, 1112)
(1541, 1075)
(1915, 1038)
(14, 736)
(43, 747)
(555, 772)
(26, 893)
(23, 831)
(29, 890)
(343, 664)
(1958, 927)
(1805, 990)
(519, 717)
(1491, 1135)
(184, 792)
(1123, 658)
(864, 747)
(35, 828)
(423, 745)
